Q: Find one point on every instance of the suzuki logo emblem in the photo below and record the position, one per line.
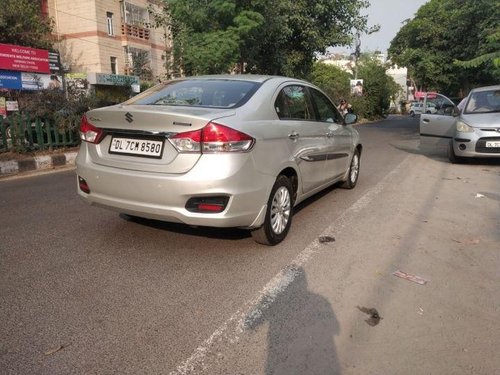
(129, 117)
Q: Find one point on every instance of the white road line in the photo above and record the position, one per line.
(229, 332)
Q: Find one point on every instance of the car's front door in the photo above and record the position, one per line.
(436, 129)
(339, 138)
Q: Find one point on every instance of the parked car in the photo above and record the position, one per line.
(219, 151)
(417, 108)
(470, 132)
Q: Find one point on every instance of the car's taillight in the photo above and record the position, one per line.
(212, 138)
(90, 133)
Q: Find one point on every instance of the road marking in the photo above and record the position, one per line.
(229, 332)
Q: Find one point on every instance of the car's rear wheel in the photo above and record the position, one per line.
(353, 175)
(412, 114)
(278, 214)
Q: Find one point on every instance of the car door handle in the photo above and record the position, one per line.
(330, 134)
(426, 120)
(294, 135)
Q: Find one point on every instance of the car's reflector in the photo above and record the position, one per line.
(83, 185)
(210, 205)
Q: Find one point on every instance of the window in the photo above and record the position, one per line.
(326, 110)
(109, 23)
(137, 58)
(294, 103)
(134, 15)
(113, 64)
(199, 93)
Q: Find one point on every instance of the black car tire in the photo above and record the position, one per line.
(452, 157)
(353, 174)
(278, 214)
(412, 114)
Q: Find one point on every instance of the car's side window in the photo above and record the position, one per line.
(325, 109)
(293, 103)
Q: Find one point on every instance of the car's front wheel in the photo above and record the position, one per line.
(452, 157)
(278, 214)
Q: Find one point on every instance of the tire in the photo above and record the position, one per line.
(452, 157)
(353, 174)
(412, 114)
(278, 214)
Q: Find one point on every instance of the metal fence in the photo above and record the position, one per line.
(20, 133)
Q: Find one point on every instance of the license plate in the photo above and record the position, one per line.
(138, 147)
(493, 144)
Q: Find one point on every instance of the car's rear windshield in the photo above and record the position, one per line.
(219, 93)
(483, 102)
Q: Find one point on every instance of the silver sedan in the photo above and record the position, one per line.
(219, 151)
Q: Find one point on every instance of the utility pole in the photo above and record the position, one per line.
(357, 52)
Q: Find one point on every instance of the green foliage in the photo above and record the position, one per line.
(63, 109)
(258, 36)
(451, 45)
(141, 66)
(332, 80)
(21, 23)
(378, 87)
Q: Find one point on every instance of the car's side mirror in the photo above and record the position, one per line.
(350, 118)
(455, 112)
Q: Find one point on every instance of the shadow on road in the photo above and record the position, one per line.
(441, 154)
(207, 232)
(302, 326)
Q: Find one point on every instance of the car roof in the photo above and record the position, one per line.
(486, 88)
(242, 77)
(232, 77)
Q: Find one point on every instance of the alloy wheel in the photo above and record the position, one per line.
(280, 210)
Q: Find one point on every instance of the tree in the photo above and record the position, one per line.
(450, 45)
(332, 80)
(378, 87)
(258, 36)
(141, 66)
(22, 23)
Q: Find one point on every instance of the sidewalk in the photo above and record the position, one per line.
(37, 162)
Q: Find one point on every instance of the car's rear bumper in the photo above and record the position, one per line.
(163, 196)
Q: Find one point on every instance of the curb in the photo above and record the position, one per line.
(42, 162)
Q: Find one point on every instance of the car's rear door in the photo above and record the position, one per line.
(306, 136)
(437, 128)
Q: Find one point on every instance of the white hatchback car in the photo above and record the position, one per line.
(417, 108)
(220, 151)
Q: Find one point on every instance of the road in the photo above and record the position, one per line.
(86, 291)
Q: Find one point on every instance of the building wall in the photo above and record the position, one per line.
(84, 43)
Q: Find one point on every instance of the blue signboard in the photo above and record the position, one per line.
(10, 80)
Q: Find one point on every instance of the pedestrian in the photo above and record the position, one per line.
(344, 107)
(54, 83)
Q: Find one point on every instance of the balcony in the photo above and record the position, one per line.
(135, 32)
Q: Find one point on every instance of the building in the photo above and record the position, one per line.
(399, 74)
(102, 41)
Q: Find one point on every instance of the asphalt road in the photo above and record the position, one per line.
(86, 291)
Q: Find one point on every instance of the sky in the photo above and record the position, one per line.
(389, 14)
